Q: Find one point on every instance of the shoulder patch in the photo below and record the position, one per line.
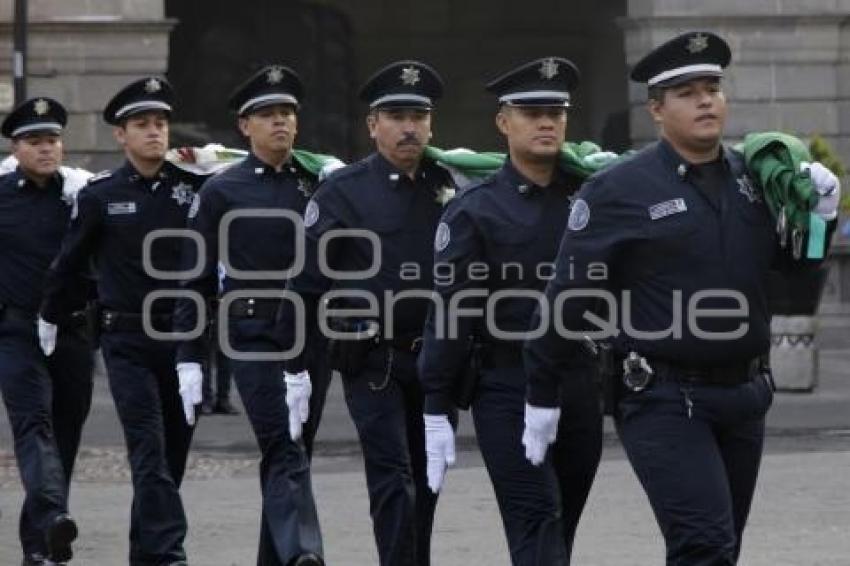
(311, 213)
(98, 177)
(443, 237)
(579, 215)
(195, 206)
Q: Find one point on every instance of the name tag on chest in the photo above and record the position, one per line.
(115, 208)
(667, 208)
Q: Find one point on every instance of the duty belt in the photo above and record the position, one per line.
(76, 319)
(411, 344)
(114, 321)
(255, 308)
(502, 354)
(729, 374)
(8, 312)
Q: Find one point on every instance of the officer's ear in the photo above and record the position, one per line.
(654, 102)
(372, 122)
(120, 133)
(502, 120)
(242, 124)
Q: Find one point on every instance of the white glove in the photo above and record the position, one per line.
(46, 336)
(828, 188)
(541, 428)
(439, 448)
(191, 378)
(298, 390)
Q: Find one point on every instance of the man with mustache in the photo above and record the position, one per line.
(516, 218)
(112, 228)
(47, 395)
(257, 203)
(393, 200)
(680, 227)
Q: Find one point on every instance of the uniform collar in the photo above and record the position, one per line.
(134, 176)
(679, 165)
(21, 181)
(386, 170)
(261, 168)
(513, 178)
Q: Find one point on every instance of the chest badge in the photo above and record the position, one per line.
(182, 193)
(745, 187)
(444, 195)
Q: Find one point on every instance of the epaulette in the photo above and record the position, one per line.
(349, 171)
(98, 177)
(475, 185)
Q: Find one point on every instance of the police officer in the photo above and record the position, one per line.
(259, 202)
(47, 398)
(112, 225)
(500, 236)
(394, 198)
(680, 228)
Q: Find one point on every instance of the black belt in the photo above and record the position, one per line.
(114, 321)
(8, 312)
(729, 374)
(411, 344)
(503, 354)
(255, 308)
(76, 319)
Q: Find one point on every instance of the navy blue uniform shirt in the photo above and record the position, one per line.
(671, 236)
(402, 212)
(115, 212)
(33, 221)
(500, 235)
(255, 244)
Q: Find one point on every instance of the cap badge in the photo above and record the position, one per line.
(548, 69)
(410, 76)
(41, 107)
(152, 86)
(697, 43)
(274, 76)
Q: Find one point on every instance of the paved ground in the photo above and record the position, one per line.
(801, 515)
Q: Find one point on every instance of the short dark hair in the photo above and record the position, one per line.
(655, 93)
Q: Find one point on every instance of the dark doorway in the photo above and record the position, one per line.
(217, 44)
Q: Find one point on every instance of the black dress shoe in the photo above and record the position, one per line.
(308, 560)
(224, 407)
(35, 559)
(60, 534)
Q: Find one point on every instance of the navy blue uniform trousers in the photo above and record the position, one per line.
(386, 403)
(540, 505)
(290, 523)
(145, 389)
(696, 450)
(47, 401)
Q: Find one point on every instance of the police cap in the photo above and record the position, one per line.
(273, 84)
(143, 95)
(688, 56)
(542, 82)
(40, 114)
(403, 84)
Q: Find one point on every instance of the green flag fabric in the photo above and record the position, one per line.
(582, 159)
(212, 158)
(774, 158)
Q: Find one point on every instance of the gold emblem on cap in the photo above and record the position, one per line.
(548, 68)
(697, 43)
(410, 76)
(275, 75)
(41, 107)
(153, 85)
